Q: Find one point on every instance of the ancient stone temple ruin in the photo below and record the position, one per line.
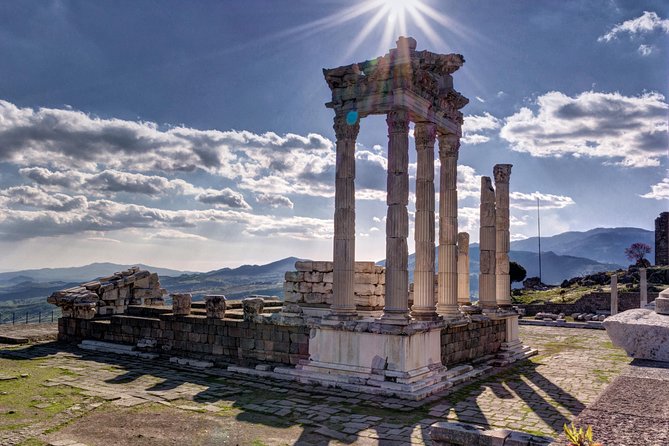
(354, 324)
(662, 239)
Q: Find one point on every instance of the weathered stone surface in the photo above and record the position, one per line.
(252, 307)
(662, 239)
(181, 304)
(215, 306)
(642, 333)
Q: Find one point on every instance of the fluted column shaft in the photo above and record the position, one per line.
(424, 234)
(463, 268)
(502, 173)
(447, 292)
(487, 246)
(643, 288)
(397, 221)
(343, 300)
(614, 294)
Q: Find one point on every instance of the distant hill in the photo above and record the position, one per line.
(234, 282)
(601, 244)
(77, 273)
(554, 267)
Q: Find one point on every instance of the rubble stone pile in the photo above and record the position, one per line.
(110, 295)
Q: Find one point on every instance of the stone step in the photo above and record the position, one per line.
(109, 347)
(191, 362)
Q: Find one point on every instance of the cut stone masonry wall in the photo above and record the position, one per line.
(310, 286)
(475, 340)
(590, 303)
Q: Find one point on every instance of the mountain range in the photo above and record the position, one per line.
(563, 256)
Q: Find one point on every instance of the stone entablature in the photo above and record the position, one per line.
(310, 287)
(110, 295)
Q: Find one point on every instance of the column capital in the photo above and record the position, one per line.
(425, 134)
(398, 121)
(449, 144)
(344, 130)
(502, 173)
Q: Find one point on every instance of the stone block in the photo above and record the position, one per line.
(328, 277)
(294, 276)
(304, 265)
(305, 287)
(313, 277)
(643, 334)
(292, 297)
(181, 304)
(252, 308)
(215, 305)
(322, 287)
(366, 278)
(323, 267)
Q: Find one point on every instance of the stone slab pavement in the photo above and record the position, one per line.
(634, 408)
(536, 396)
(26, 333)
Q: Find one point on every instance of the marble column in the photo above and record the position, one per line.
(502, 172)
(343, 301)
(423, 292)
(614, 294)
(643, 288)
(397, 221)
(447, 293)
(463, 268)
(487, 246)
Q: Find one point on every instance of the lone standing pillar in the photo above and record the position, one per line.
(397, 222)
(447, 294)
(487, 246)
(502, 172)
(614, 294)
(423, 294)
(463, 268)
(643, 288)
(343, 300)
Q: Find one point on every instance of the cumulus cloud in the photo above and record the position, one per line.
(225, 197)
(524, 201)
(474, 125)
(274, 201)
(33, 197)
(646, 23)
(630, 130)
(105, 216)
(173, 234)
(469, 183)
(645, 50)
(70, 138)
(659, 191)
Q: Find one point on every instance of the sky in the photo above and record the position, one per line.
(193, 135)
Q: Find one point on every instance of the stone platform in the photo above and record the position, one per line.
(123, 396)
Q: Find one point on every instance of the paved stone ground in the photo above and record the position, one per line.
(536, 396)
(24, 333)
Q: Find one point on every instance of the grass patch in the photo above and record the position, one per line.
(554, 295)
(20, 397)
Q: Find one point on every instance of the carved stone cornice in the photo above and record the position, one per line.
(398, 121)
(449, 144)
(344, 130)
(502, 173)
(425, 134)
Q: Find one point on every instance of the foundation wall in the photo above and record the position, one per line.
(218, 340)
(472, 341)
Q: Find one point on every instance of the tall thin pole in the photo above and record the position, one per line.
(539, 238)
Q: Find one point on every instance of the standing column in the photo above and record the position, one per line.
(397, 222)
(614, 294)
(463, 268)
(502, 173)
(343, 303)
(487, 246)
(643, 288)
(423, 291)
(447, 295)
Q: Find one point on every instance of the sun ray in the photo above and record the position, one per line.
(364, 32)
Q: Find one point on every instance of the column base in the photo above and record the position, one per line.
(395, 318)
(425, 314)
(449, 312)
